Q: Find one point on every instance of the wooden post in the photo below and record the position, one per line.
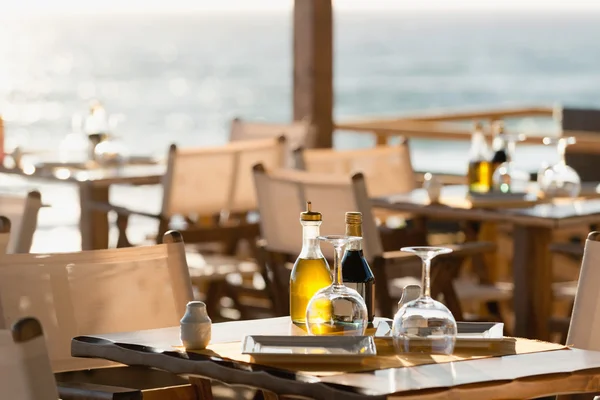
(313, 66)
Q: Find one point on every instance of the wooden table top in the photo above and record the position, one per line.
(517, 376)
(454, 205)
(129, 174)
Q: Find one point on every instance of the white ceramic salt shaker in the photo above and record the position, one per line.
(195, 326)
(433, 187)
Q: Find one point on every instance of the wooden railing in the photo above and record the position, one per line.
(445, 126)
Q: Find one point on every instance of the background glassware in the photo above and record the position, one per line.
(111, 152)
(337, 308)
(507, 178)
(559, 180)
(75, 146)
(433, 187)
(425, 325)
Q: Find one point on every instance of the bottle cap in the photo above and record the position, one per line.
(310, 215)
(353, 218)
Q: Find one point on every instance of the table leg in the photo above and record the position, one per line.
(93, 223)
(532, 271)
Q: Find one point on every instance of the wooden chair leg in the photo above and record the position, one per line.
(122, 223)
(213, 297)
(203, 388)
(442, 275)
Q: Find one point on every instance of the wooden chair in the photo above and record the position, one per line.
(206, 182)
(585, 320)
(282, 195)
(583, 120)
(98, 291)
(25, 372)
(387, 169)
(22, 211)
(212, 189)
(297, 134)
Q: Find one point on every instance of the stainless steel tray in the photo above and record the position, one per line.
(466, 330)
(309, 349)
(470, 335)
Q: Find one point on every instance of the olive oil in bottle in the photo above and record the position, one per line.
(480, 167)
(311, 271)
(356, 272)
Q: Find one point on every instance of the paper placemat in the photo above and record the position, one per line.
(387, 357)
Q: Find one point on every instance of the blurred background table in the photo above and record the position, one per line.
(93, 183)
(532, 237)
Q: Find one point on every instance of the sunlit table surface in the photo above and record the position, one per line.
(516, 376)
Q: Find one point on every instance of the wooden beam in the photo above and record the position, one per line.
(313, 67)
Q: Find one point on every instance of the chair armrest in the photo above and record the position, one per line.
(91, 391)
(121, 211)
(569, 249)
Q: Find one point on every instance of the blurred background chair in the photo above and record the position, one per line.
(22, 211)
(25, 372)
(100, 291)
(282, 196)
(297, 134)
(582, 120)
(388, 171)
(207, 195)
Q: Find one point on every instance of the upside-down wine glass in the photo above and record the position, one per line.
(424, 325)
(559, 180)
(507, 178)
(337, 309)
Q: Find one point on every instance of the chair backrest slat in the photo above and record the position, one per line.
(387, 169)
(282, 196)
(297, 134)
(95, 292)
(25, 372)
(22, 211)
(207, 181)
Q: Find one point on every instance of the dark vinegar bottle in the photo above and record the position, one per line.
(356, 272)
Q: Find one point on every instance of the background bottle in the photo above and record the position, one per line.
(356, 273)
(500, 146)
(480, 167)
(311, 271)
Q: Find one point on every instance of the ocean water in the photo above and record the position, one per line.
(181, 78)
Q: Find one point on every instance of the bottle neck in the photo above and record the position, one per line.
(310, 244)
(500, 143)
(354, 230)
(479, 147)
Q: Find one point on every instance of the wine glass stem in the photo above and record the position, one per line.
(511, 147)
(425, 277)
(561, 148)
(337, 265)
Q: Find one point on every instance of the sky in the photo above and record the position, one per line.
(117, 6)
